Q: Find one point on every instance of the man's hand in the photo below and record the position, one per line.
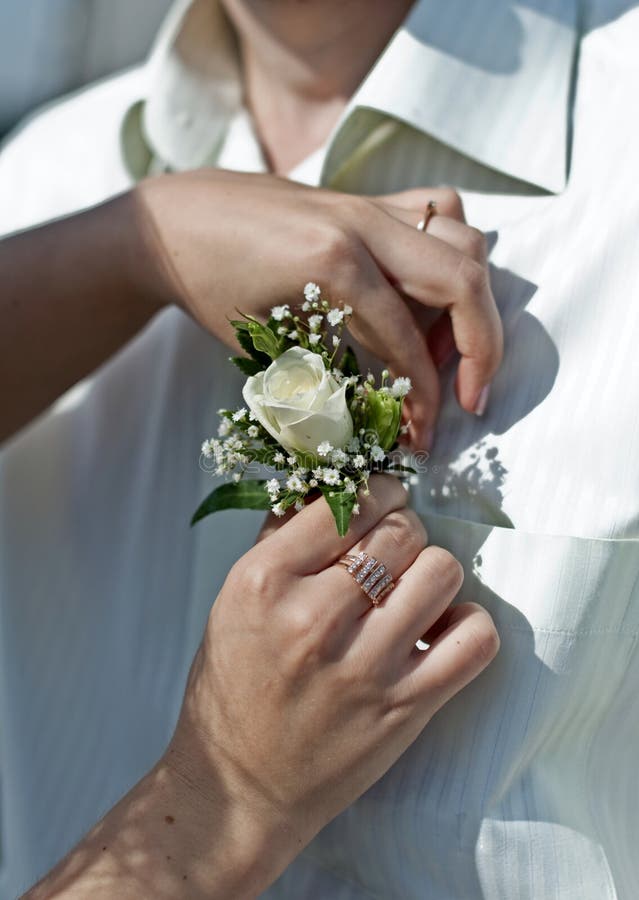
(222, 241)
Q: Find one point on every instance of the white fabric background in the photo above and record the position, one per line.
(48, 48)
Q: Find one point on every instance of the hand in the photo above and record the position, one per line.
(302, 695)
(220, 241)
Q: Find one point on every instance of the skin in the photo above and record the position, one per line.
(103, 274)
(230, 804)
(250, 777)
(303, 61)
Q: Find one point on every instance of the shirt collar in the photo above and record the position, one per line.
(490, 78)
(195, 85)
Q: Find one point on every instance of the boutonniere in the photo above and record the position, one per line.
(312, 421)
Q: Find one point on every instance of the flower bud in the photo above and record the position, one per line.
(382, 416)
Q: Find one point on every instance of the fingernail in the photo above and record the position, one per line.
(482, 401)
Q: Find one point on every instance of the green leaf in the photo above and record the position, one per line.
(348, 364)
(244, 495)
(245, 341)
(397, 468)
(341, 505)
(246, 365)
(264, 340)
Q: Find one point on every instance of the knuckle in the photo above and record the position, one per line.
(484, 638)
(472, 278)
(475, 242)
(255, 575)
(445, 568)
(406, 536)
(452, 204)
(302, 625)
(335, 247)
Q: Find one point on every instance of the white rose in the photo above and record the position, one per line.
(299, 402)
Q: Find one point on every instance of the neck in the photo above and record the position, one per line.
(303, 60)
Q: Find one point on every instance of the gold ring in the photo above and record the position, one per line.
(431, 209)
(371, 575)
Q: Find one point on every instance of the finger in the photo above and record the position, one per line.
(394, 544)
(273, 523)
(383, 324)
(309, 542)
(455, 657)
(419, 598)
(432, 272)
(468, 240)
(448, 201)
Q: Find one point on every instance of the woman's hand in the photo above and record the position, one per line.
(302, 695)
(221, 241)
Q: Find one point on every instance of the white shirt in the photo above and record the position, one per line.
(525, 785)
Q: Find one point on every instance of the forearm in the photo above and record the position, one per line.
(71, 296)
(165, 839)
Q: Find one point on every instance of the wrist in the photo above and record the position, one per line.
(241, 842)
(140, 255)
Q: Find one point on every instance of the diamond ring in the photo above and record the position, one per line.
(372, 575)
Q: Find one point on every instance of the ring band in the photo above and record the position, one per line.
(372, 575)
(431, 209)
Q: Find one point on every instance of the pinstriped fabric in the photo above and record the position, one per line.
(525, 786)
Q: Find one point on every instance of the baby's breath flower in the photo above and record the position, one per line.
(313, 483)
(356, 509)
(335, 341)
(237, 477)
(293, 334)
(317, 474)
(224, 428)
(324, 448)
(312, 292)
(299, 505)
(278, 459)
(353, 445)
(291, 460)
(401, 386)
(338, 457)
(273, 487)
(349, 486)
(306, 306)
(315, 321)
(359, 461)
(330, 476)
(252, 416)
(207, 450)
(282, 329)
(278, 509)
(314, 339)
(253, 431)
(280, 312)
(335, 316)
(377, 454)
(348, 310)
(294, 483)
(370, 378)
(239, 415)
